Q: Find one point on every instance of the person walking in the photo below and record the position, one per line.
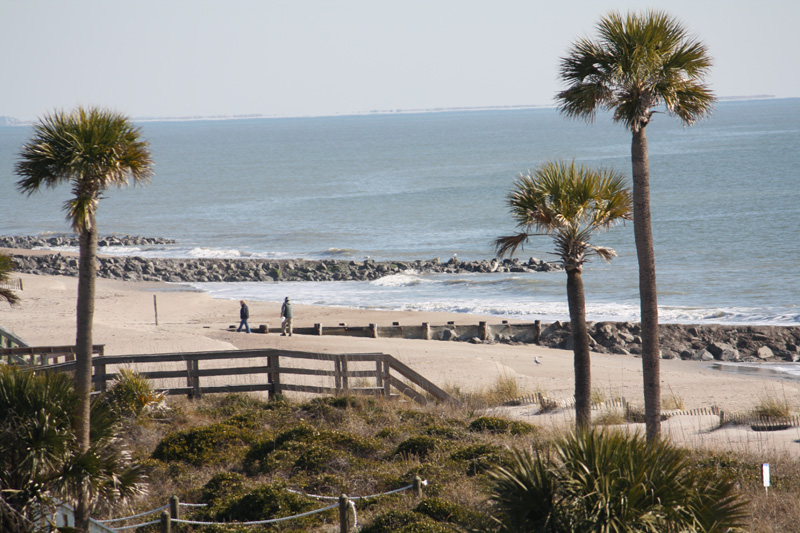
(287, 313)
(244, 315)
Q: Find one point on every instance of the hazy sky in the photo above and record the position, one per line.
(308, 57)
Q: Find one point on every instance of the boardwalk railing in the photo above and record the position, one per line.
(42, 355)
(369, 373)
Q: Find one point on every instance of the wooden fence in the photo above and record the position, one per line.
(42, 355)
(383, 376)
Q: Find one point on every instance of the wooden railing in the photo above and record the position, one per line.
(43, 355)
(384, 375)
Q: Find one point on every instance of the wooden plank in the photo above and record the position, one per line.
(417, 379)
(407, 391)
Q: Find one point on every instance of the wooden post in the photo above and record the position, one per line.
(166, 526)
(174, 508)
(274, 377)
(318, 329)
(344, 514)
(345, 381)
(192, 380)
(337, 374)
(155, 308)
(387, 386)
(537, 331)
(374, 329)
(100, 373)
(417, 487)
(426, 331)
(483, 330)
(378, 374)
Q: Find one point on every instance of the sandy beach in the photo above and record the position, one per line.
(125, 322)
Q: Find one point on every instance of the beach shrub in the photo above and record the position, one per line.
(404, 522)
(131, 395)
(267, 502)
(420, 446)
(493, 424)
(214, 443)
(613, 481)
(771, 406)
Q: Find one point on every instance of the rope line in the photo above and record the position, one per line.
(320, 497)
(193, 504)
(134, 516)
(254, 523)
(137, 525)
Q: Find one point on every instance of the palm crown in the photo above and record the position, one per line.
(637, 63)
(93, 149)
(569, 203)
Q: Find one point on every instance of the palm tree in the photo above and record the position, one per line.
(638, 64)
(6, 267)
(92, 150)
(569, 203)
(39, 457)
(612, 481)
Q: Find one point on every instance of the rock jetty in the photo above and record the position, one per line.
(131, 268)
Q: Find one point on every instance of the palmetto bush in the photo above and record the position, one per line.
(132, 395)
(598, 481)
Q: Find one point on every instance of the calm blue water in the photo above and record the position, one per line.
(725, 202)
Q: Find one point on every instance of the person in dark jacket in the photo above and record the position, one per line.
(244, 314)
(287, 313)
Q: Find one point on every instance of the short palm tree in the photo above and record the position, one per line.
(92, 150)
(638, 64)
(569, 203)
(39, 457)
(6, 267)
(611, 481)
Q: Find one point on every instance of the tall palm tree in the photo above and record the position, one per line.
(6, 267)
(569, 203)
(638, 64)
(91, 149)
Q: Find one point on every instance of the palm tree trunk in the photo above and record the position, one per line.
(580, 349)
(87, 272)
(648, 297)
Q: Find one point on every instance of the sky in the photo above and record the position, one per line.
(178, 58)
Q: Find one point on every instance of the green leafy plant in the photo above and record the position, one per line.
(132, 395)
(612, 481)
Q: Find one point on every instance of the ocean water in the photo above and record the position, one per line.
(725, 198)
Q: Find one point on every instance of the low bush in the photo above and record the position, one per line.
(493, 424)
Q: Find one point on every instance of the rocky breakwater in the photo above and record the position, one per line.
(712, 342)
(29, 242)
(130, 268)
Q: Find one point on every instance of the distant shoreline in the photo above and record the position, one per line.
(6, 121)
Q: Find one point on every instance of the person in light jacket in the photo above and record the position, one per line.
(287, 313)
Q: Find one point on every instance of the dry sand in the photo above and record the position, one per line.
(193, 321)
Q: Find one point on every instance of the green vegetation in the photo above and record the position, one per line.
(255, 460)
(6, 267)
(600, 482)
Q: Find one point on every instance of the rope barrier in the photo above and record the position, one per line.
(255, 523)
(137, 525)
(193, 504)
(134, 516)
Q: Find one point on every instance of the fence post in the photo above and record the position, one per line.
(426, 331)
(274, 377)
(166, 525)
(417, 486)
(344, 514)
(387, 385)
(374, 330)
(318, 329)
(483, 330)
(345, 381)
(537, 331)
(174, 508)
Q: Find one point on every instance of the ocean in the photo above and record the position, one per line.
(725, 198)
